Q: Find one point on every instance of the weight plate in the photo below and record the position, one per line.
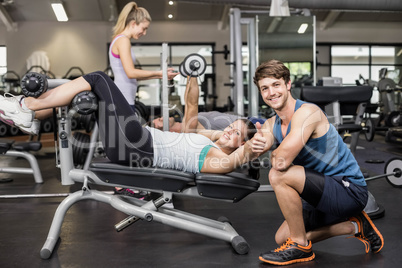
(370, 130)
(46, 126)
(89, 122)
(74, 123)
(14, 131)
(386, 84)
(378, 213)
(181, 70)
(80, 146)
(394, 165)
(194, 65)
(393, 119)
(3, 129)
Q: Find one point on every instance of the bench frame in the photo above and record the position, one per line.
(135, 209)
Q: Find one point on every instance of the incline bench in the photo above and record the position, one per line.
(231, 187)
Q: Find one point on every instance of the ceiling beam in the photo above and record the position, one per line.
(7, 20)
(329, 19)
(224, 21)
(370, 5)
(274, 25)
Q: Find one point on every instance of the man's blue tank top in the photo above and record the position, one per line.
(328, 154)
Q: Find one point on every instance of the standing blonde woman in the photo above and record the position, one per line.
(133, 22)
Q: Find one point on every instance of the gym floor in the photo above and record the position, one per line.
(88, 238)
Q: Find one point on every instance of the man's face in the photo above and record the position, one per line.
(274, 92)
(158, 122)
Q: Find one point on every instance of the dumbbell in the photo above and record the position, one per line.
(34, 84)
(193, 65)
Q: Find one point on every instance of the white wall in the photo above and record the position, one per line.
(66, 44)
(84, 44)
(2, 34)
(362, 32)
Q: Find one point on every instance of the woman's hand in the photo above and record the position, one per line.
(171, 73)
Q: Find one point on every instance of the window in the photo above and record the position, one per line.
(358, 62)
(349, 62)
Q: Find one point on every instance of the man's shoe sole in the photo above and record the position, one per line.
(376, 231)
(288, 262)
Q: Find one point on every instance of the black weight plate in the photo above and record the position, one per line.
(370, 130)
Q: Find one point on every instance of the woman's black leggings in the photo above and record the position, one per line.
(125, 140)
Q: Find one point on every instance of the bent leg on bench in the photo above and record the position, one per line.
(59, 96)
(123, 135)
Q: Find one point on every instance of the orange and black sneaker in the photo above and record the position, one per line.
(290, 252)
(368, 233)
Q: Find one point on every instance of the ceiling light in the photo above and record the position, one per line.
(59, 11)
(170, 16)
(171, 3)
(302, 28)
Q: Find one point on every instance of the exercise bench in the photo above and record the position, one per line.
(22, 149)
(231, 187)
(339, 102)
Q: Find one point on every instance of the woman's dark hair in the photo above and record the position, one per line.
(251, 129)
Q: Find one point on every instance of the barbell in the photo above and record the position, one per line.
(193, 65)
(393, 172)
(366, 126)
(12, 196)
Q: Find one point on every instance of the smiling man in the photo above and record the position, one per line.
(317, 181)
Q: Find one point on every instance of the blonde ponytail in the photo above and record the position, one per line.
(130, 12)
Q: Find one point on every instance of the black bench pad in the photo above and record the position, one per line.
(150, 178)
(349, 97)
(27, 146)
(5, 145)
(232, 186)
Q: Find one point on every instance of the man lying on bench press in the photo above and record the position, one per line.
(206, 120)
(127, 142)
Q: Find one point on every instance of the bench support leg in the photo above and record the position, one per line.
(34, 170)
(147, 211)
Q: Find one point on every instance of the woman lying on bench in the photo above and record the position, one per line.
(127, 142)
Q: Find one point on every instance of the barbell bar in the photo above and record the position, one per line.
(12, 196)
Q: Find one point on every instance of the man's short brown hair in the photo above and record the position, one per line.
(272, 68)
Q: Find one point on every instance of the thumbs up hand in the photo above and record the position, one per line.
(258, 142)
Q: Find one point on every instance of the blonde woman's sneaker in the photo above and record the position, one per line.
(13, 114)
(33, 129)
